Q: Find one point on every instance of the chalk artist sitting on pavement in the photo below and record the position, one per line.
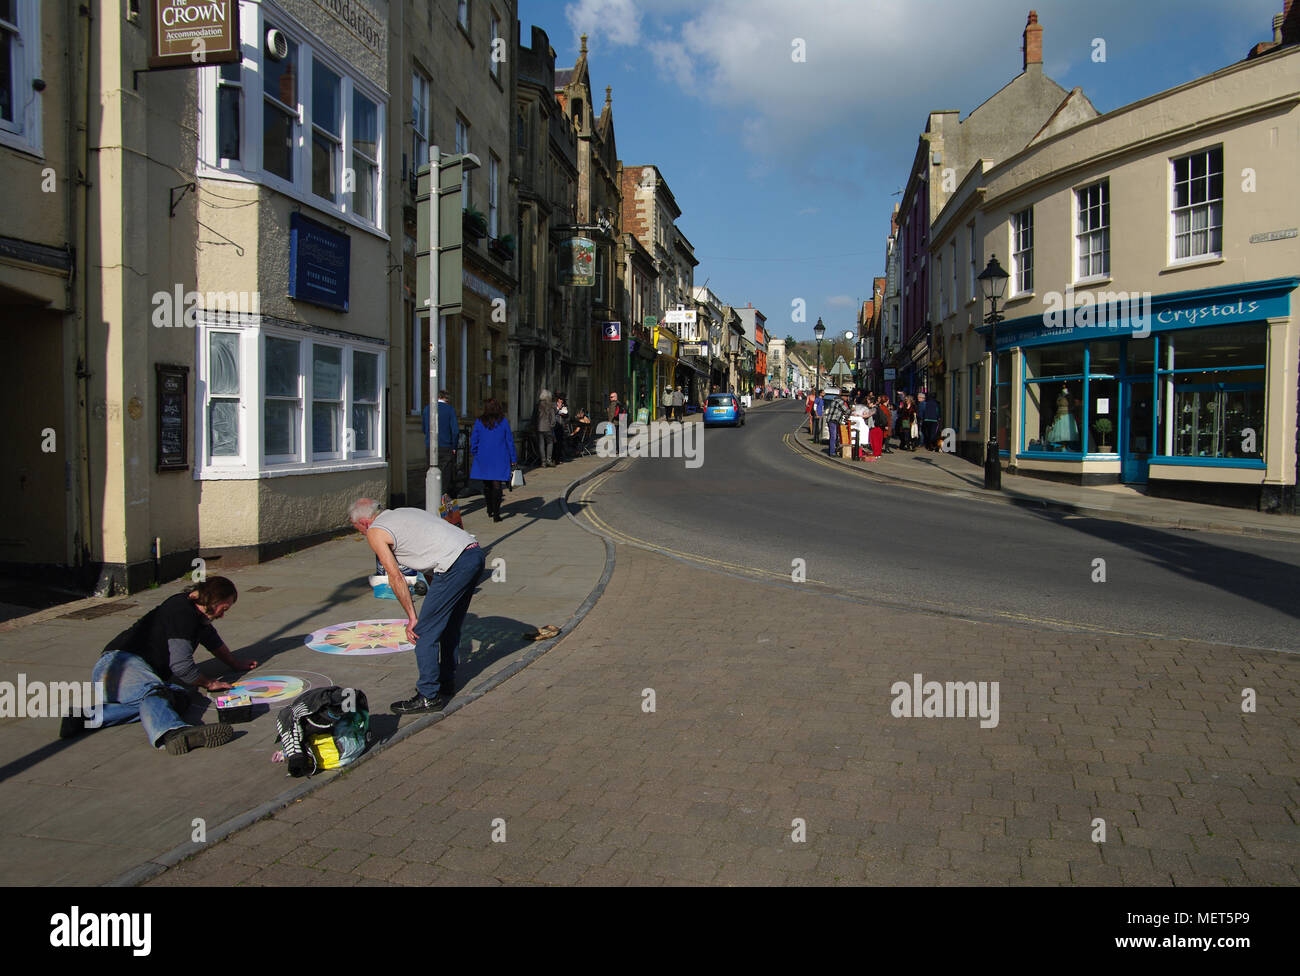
(137, 668)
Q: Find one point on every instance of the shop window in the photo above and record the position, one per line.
(1054, 416)
(1054, 361)
(1003, 380)
(1103, 415)
(1212, 389)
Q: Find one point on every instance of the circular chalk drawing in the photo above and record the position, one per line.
(264, 689)
(362, 637)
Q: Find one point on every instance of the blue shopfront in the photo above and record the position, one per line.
(1131, 388)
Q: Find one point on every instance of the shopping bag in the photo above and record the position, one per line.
(449, 510)
(517, 478)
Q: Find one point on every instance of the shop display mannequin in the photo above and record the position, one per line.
(1064, 429)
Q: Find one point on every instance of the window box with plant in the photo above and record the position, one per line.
(475, 224)
(503, 246)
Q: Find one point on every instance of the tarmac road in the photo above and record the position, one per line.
(755, 505)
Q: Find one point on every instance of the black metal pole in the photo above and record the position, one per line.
(992, 457)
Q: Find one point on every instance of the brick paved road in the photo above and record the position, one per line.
(758, 723)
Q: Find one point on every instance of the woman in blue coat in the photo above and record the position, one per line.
(492, 446)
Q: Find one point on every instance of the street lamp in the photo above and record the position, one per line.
(994, 282)
(819, 331)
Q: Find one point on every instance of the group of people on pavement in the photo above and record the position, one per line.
(874, 417)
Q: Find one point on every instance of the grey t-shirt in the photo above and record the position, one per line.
(422, 540)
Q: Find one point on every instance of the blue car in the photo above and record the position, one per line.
(724, 408)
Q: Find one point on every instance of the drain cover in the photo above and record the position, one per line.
(98, 610)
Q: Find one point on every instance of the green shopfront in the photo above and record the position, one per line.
(1191, 393)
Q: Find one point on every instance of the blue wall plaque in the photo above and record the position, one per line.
(320, 263)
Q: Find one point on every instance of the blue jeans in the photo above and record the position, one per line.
(835, 438)
(441, 616)
(133, 692)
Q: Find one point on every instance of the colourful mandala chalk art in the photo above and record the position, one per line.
(267, 688)
(362, 637)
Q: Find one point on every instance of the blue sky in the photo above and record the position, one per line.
(786, 171)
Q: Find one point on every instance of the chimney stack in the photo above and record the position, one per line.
(1033, 42)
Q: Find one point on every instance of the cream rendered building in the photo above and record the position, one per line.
(1150, 334)
(198, 306)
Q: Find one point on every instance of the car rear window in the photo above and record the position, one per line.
(719, 400)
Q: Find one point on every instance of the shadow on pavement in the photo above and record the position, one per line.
(1268, 582)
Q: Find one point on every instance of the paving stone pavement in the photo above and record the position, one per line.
(92, 809)
(761, 723)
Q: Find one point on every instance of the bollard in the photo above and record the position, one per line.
(857, 453)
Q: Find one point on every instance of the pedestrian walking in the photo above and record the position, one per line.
(563, 448)
(544, 417)
(613, 413)
(928, 412)
(883, 421)
(906, 418)
(492, 450)
(819, 410)
(448, 433)
(808, 410)
(147, 670)
(836, 413)
(451, 560)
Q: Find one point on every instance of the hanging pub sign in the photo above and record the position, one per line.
(193, 33)
(577, 259)
(611, 331)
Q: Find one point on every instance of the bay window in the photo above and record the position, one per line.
(292, 116)
(276, 401)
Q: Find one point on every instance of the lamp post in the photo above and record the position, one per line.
(993, 280)
(819, 331)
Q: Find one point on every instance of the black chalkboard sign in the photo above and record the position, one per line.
(173, 417)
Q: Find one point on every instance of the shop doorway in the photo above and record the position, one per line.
(1138, 410)
(1136, 416)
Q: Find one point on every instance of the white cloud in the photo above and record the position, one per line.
(840, 301)
(617, 20)
(870, 65)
